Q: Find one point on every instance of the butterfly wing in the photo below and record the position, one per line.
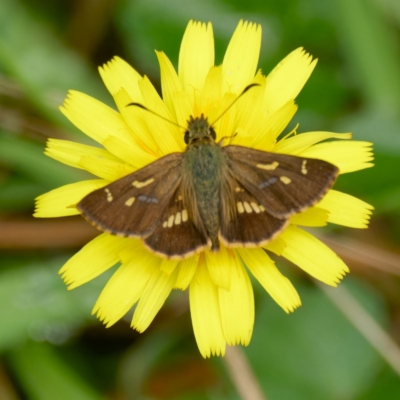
(247, 223)
(264, 189)
(176, 236)
(133, 205)
(283, 184)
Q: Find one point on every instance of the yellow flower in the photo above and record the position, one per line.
(221, 294)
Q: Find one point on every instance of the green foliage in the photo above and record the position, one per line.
(45, 377)
(316, 349)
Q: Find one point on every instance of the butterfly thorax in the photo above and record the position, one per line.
(202, 173)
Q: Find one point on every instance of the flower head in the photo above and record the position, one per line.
(221, 294)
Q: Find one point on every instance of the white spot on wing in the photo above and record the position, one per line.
(285, 180)
(109, 195)
(171, 221)
(240, 207)
(138, 184)
(165, 224)
(185, 215)
(303, 167)
(130, 201)
(255, 207)
(247, 207)
(268, 167)
(178, 217)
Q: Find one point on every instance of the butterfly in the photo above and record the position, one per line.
(188, 202)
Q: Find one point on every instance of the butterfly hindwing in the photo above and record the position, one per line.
(176, 235)
(133, 205)
(248, 224)
(283, 184)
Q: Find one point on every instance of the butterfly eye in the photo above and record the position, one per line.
(212, 133)
(186, 137)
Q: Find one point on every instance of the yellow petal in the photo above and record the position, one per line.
(61, 202)
(168, 266)
(94, 118)
(225, 126)
(186, 271)
(298, 143)
(156, 292)
(314, 216)
(346, 210)
(276, 246)
(311, 255)
(170, 83)
(126, 286)
(237, 307)
(248, 110)
(135, 118)
(117, 74)
(241, 57)
(347, 156)
(183, 111)
(165, 134)
(127, 254)
(211, 94)
(270, 126)
(219, 267)
(196, 56)
(117, 137)
(135, 156)
(206, 318)
(92, 260)
(70, 152)
(287, 79)
(265, 271)
(109, 170)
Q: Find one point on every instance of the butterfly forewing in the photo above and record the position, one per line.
(133, 205)
(283, 184)
(176, 236)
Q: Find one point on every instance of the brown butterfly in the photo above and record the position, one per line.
(187, 202)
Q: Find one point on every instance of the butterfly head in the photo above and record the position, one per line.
(199, 131)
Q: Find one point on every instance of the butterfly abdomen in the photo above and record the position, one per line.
(203, 163)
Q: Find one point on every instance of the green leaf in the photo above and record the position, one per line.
(34, 303)
(140, 360)
(386, 386)
(380, 128)
(372, 53)
(17, 194)
(27, 158)
(44, 376)
(41, 63)
(378, 185)
(314, 353)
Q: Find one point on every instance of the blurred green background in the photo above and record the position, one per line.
(341, 344)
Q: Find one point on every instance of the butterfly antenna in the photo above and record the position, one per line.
(247, 88)
(156, 114)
